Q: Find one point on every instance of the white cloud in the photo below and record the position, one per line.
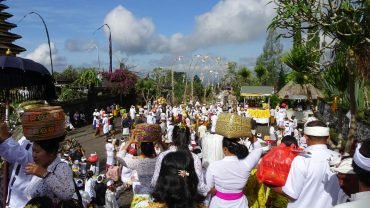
(128, 32)
(233, 21)
(42, 56)
(229, 21)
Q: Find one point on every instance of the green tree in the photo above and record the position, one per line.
(245, 75)
(88, 78)
(261, 72)
(161, 77)
(69, 94)
(281, 79)
(146, 89)
(269, 62)
(347, 22)
(198, 88)
(69, 74)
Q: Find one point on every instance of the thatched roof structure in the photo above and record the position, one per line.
(297, 91)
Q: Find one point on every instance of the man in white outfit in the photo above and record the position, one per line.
(310, 182)
(361, 166)
(19, 180)
(105, 124)
(132, 112)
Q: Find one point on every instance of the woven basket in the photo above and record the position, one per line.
(43, 123)
(148, 132)
(233, 126)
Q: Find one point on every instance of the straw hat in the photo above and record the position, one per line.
(43, 123)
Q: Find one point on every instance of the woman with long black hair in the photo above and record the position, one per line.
(181, 141)
(177, 183)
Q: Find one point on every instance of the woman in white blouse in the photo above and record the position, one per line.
(51, 177)
(227, 177)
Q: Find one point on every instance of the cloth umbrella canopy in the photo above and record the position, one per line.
(23, 79)
(297, 91)
(17, 72)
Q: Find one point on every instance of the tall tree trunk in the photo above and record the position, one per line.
(352, 97)
(367, 107)
(186, 86)
(192, 87)
(173, 86)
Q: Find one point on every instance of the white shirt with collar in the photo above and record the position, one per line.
(16, 153)
(310, 181)
(358, 200)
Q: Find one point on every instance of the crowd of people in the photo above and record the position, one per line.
(189, 165)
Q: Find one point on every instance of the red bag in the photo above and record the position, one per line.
(275, 165)
(114, 173)
(93, 158)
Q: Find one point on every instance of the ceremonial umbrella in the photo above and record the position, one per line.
(19, 75)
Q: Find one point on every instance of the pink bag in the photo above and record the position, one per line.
(114, 173)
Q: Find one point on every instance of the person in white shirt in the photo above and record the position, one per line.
(361, 166)
(170, 127)
(111, 195)
(175, 111)
(302, 139)
(279, 116)
(310, 181)
(151, 118)
(213, 122)
(348, 180)
(19, 180)
(272, 133)
(211, 148)
(105, 123)
(132, 112)
(109, 147)
(295, 122)
(287, 127)
(86, 199)
(229, 175)
(204, 109)
(201, 130)
(90, 185)
(96, 114)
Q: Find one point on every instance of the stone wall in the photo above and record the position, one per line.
(363, 129)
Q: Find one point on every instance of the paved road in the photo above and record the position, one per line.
(91, 144)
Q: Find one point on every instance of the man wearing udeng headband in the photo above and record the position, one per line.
(310, 182)
(361, 166)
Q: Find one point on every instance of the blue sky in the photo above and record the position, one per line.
(145, 33)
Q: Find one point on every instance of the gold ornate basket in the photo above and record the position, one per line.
(233, 126)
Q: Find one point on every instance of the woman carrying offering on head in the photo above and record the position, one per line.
(51, 177)
(227, 177)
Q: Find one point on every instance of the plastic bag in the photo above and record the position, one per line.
(93, 158)
(275, 165)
